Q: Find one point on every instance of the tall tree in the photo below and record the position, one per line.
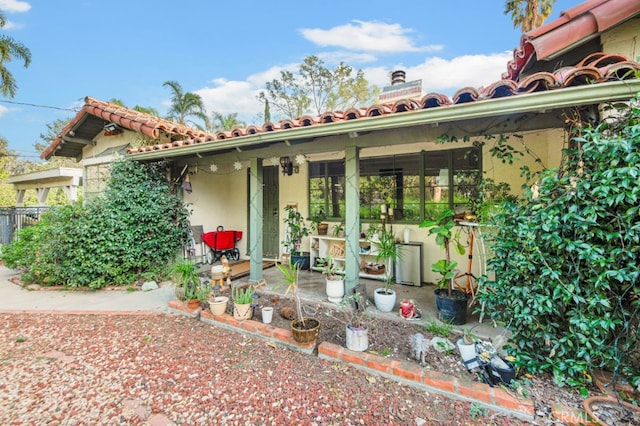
(54, 129)
(315, 89)
(224, 123)
(528, 14)
(267, 112)
(185, 105)
(10, 49)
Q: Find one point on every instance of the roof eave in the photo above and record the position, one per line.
(540, 101)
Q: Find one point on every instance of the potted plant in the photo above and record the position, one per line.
(450, 302)
(354, 308)
(242, 300)
(334, 280)
(373, 231)
(304, 330)
(387, 253)
(217, 304)
(317, 223)
(467, 347)
(186, 278)
(338, 230)
(296, 230)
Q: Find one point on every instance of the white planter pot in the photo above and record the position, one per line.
(357, 339)
(335, 290)
(385, 301)
(267, 314)
(468, 354)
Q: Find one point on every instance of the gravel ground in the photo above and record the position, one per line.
(162, 369)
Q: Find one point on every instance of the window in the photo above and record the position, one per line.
(95, 180)
(326, 189)
(394, 181)
(451, 179)
(416, 186)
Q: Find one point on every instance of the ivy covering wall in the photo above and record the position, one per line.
(566, 260)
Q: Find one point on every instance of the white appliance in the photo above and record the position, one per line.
(409, 264)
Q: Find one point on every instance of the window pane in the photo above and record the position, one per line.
(394, 181)
(450, 179)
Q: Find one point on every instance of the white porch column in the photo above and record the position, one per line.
(41, 195)
(256, 182)
(71, 192)
(20, 197)
(352, 217)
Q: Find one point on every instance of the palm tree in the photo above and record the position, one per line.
(528, 14)
(225, 123)
(184, 105)
(146, 110)
(9, 49)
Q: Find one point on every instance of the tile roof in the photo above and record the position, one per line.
(574, 26)
(147, 124)
(595, 68)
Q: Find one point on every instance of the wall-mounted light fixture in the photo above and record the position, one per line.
(287, 166)
(112, 129)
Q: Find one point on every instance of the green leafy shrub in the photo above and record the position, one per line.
(135, 228)
(566, 261)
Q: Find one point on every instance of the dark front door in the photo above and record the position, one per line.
(270, 213)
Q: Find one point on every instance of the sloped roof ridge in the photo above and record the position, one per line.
(137, 121)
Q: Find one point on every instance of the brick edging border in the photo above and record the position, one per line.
(496, 399)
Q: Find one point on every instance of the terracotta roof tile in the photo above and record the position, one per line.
(465, 95)
(538, 82)
(252, 130)
(223, 135)
(146, 124)
(354, 113)
(332, 116)
(575, 25)
(378, 110)
(404, 105)
(432, 100)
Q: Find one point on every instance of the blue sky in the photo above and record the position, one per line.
(226, 51)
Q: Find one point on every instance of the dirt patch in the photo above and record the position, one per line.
(392, 339)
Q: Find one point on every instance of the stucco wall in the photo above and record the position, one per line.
(219, 199)
(623, 40)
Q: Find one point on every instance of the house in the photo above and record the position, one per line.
(561, 72)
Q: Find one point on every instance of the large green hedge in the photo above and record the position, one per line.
(135, 228)
(567, 261)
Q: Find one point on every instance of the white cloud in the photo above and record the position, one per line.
(9, 25)
(367, 36)
(228, 97)
(348, 58)
(236, 96)
(10, 6)
(447, 76)
(3, 110)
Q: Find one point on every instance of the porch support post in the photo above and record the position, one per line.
(20, 197)
(352, 218)
(256, 182)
